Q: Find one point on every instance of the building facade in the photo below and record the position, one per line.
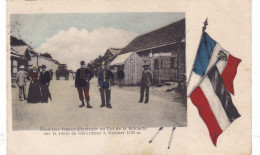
(132, 65)
(164, 50)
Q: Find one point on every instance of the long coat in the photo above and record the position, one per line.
(104, 77)
(21, 78)
(34, 93)
(45, 77)
(146, 78)
(83, 76)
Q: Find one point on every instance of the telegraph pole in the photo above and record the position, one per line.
(160, 67)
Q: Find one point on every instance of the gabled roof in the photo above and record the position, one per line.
(19, 49)
(162, 36)
(115, 51)
(22, 50)
(120, 59)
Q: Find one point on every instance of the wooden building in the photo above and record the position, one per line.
(111, 52)
(41, 60)
(20, 55)
(164, 50)
(132, 65)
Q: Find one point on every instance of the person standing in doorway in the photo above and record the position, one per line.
(120, 77)
(83, 76)
(21, 82)
(146, 82)
(45, 79)
(104, 78)
(51, 73)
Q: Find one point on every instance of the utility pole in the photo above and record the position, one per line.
(37, 59)
(151, 56)
(179, 66)
(160, 67)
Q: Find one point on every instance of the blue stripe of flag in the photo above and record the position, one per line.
(204, 54)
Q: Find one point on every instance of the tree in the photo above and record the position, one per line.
(95, 65)
(14, 41)
(47, 55)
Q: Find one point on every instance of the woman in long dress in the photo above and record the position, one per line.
(34, 93)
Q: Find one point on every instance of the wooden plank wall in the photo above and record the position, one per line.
(133, 68)
(168, 73)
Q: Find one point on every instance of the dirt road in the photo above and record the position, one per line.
(63, 110)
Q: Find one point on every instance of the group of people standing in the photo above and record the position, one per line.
(105, 76)
(40, 81)
(82, 78)
(38, 87)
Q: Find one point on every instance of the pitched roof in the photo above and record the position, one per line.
(120, 59)
(19, 49)
(22, 50)
(115, 51)
(162, 36)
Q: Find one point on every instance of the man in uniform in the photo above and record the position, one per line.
(21, 82)
(83, 76)
(104, 78)
(146, 82)
(45, 79)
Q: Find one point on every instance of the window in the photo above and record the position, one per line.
(174, 62)
(156, 64)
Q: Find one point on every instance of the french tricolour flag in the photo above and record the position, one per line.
(210, 86)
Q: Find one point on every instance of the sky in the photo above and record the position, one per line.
(70, 38)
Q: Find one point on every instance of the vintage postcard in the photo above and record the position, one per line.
(106, 69)
(129, 77)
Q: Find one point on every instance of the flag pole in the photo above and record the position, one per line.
(170, 140)
(155, 134)
(202, 79)
(203, 30)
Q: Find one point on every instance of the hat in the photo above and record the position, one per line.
(22, 67)
(103, 63)
(34, 67)
(82, 62)
(43, 66)
(146, 65)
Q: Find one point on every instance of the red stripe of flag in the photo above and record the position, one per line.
(200, 101)
(229, 73)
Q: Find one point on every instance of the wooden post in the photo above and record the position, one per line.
(37, 59)
(179, 67)
(151, 56)
(160, 67)
(203, 30)
(12, 66)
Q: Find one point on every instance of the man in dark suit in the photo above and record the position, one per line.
(104, 78)
(83, 76)
(45, 82)
(146, 82)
